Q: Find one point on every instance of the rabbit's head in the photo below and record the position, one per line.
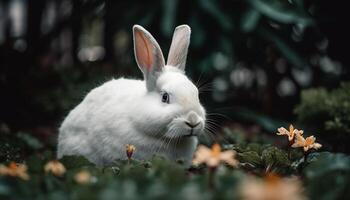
(177, 111)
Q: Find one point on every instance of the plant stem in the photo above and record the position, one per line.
(211, 178)
(289, 154)
(305, 157)
(303, 165)
(289, 148)
(290, 143)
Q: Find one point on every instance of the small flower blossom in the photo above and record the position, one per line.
(212, 157)
(15, 170)
(306, 143)
(290, 133)
(83, 177)
(55, 167)
(130, 149)
(272, 187)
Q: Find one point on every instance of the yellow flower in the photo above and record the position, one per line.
(130, 149)
(306, 143)
(272, 187)
(83, 177)
(15, 170)
(212, 157)
(290, 133)
(55, 167)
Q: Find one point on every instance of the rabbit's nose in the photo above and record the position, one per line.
(192, 119)
(191, 125)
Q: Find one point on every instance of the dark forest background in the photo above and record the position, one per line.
(252, 57)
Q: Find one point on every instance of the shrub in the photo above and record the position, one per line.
(328, 111)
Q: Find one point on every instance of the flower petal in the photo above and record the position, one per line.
(311, 138)
(297, 144)
(316, 145)
(201, 155)
(300, 132)
(213, 162)
(228, 157)
(282, 131)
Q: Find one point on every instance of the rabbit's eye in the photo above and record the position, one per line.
(165, 97)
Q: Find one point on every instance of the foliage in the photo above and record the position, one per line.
(74, 177)
(330, 109)
(156, 179)
(326, 172)
(159, 178)
(15, 146)
(327, 111)
(265, 158)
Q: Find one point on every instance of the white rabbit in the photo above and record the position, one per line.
(159, 115)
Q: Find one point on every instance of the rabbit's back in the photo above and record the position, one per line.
(90, 127)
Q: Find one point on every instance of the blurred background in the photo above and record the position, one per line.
(254, 60)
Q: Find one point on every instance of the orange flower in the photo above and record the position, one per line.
(290, 133)
(15, 170)
(306, 143)
(83, 177)
(130, 149)
(212, 157)
(55, 167)
(272, 187)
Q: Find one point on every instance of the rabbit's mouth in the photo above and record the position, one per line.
(191, 134)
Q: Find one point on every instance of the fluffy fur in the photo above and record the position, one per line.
(127, 111)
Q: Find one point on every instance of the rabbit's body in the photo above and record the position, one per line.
(108, 119)
(161, 115)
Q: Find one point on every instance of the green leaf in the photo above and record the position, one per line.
(281, 14)
(31, 141)
(328, 176)
(290, 54)
(265, 121)
(250, 20)
(240, 148)
(250, 157)
(111, 170)
(327, 162)
(199, 35)
(272, 156)
(254, 147)
(72, 162)
(169, 15)
(5, 189)
(212, 9)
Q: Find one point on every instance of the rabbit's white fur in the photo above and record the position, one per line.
(127, 111)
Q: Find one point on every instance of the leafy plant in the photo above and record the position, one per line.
(326, 177)
(326, 171)
(328, 112)
(217, 173)
(264, 158)
(16, 146)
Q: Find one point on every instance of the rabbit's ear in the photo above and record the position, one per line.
(149, 56)
(179, 46)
